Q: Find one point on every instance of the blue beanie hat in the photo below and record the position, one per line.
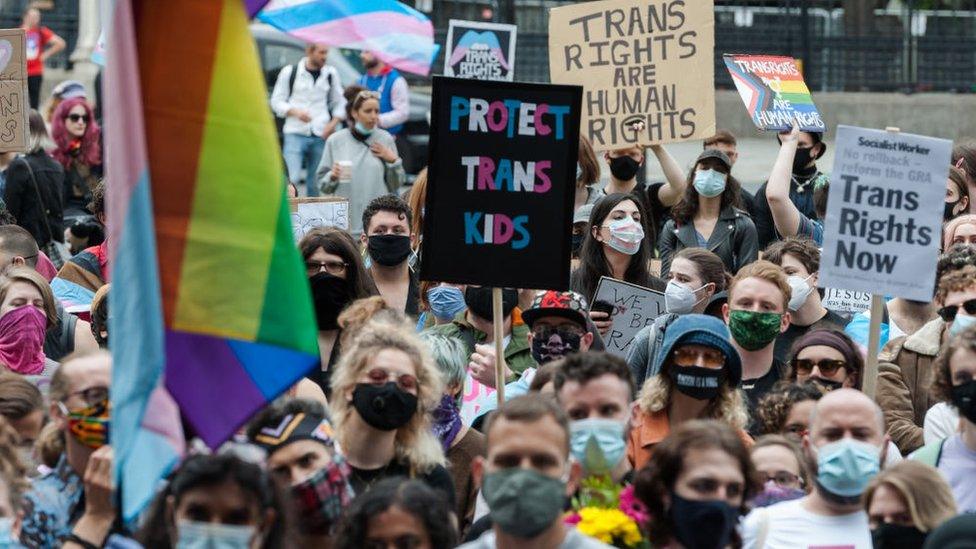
(695, 329)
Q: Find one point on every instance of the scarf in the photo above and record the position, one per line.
(446, 421)
(22, 340)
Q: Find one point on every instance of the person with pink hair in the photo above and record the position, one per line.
(959, 230)
(79, 150)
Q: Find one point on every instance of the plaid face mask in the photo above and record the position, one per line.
(320, 499)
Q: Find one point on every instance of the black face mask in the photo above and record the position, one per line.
(826, 384)
(802, 158)
(578, 243)
(964, 399)
(896, 536)
(554, 345)
(702, 524)
(697, 382)
(478, 301)
(385, 407)
(389, 250)
(330, 294)
(949, 213)
(624, 168)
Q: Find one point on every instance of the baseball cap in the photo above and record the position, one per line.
(582, 214)
(569, 305)
(716, 154)
(69, 89)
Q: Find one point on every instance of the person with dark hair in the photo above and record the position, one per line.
(696, 276)
(389, 243)
(349, 94)
(41, 44)
(828, 358)
(337, 277)
(696, 486)
(800, 260)
(17, 247)
(305, 463)
(844, 451)
(217, 501)
(89, 269)
(788, 219)
(964, 158)
(79, 150)
(779, 464)
(99, 316)
(709, 216)
(809, 147)
(957, 197)
(595, 390)
(786, 409)
(361, 162)
(587, 175)
(614, 246)
(84, 234)
(397, 512)
(527, 477)
(22, 405)
(33, 191)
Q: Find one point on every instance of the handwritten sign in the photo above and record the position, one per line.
(14, 106)
(846, 301)
(321, 211)
(774, 92)
(633, 308)
(500, 188)
(884, 213)
(476, 399)
(638, 60)
(480, 51)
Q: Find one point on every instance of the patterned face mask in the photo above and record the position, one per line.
(89, 425)
(320, 499)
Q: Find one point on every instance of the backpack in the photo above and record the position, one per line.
(328, 76)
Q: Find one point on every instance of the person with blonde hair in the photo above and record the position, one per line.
(959, 230)
(383, 391)
(905, 503)
(27, 310)
(699, 378)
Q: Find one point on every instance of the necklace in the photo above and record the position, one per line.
(380, 473)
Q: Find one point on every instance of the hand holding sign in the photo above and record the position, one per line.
(482, 365)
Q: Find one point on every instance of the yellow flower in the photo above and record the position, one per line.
(608, 525)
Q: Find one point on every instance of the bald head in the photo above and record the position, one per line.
(846, 413)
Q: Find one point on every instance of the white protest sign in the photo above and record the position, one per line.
(633, 308)
(475, 399)
(846, 301)
(480, 51)
(884, 213)
(322, 211)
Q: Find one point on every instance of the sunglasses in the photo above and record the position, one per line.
(545, 331)
(331, 267)
(948, 313)
(827, 367)
(77, 118)
(379, 376)
(710, 358)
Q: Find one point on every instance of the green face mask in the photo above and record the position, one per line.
(523, 502)
(754, 330)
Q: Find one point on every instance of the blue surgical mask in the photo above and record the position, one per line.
(7, 533)
(446, 301)
(363, 130)
(960, 324)
(709, 183)
(845, 467)
(597, 443)
(205, 535)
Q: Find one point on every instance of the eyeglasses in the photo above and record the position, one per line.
(948, 313)
(379, 376)
(710, 358)
(91, 395)
(827, 367)
(781, 478)
(77, 118)
(565, 331)
(331, 267)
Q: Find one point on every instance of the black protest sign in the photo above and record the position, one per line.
(500, 183)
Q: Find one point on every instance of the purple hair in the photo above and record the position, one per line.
(91, 147)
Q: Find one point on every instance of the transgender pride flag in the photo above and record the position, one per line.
(396, 33)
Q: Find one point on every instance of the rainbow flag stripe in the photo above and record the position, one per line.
(211, 304)
(774, 92)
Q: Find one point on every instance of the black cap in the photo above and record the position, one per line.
(716, 154)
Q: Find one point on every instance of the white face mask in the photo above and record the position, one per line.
(205, 535)
(625, 235)
(800, 291)
(680, 299)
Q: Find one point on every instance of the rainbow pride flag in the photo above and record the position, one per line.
(774, 92)
(211, 310)
(397, 33)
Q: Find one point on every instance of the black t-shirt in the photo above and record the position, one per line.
(315, 74)
(757, 388)
(784, 343)
(437, 478)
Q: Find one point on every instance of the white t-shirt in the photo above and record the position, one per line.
(941, 421)
(788, 525)
(958, 465)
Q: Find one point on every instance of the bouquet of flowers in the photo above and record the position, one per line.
(609, 512)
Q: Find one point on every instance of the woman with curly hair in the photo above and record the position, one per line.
(696, 486)
(383, 391)
(700, 377)
(398, 512)
(79, 151)
(786, 410)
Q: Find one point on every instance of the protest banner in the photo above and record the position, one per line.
(774, 92)
(480, 51)
(846, 301)
(633, 307)
(638, 60)
(319, 211)
(14, 106)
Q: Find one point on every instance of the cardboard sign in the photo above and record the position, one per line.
(14, 103)
(638, 60)
(480, 51)
(633, 308)
(774, 92)
(500, 183)
(321, 211)
(884, 213)
(846, 301)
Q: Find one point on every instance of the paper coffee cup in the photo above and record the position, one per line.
(345, 170)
